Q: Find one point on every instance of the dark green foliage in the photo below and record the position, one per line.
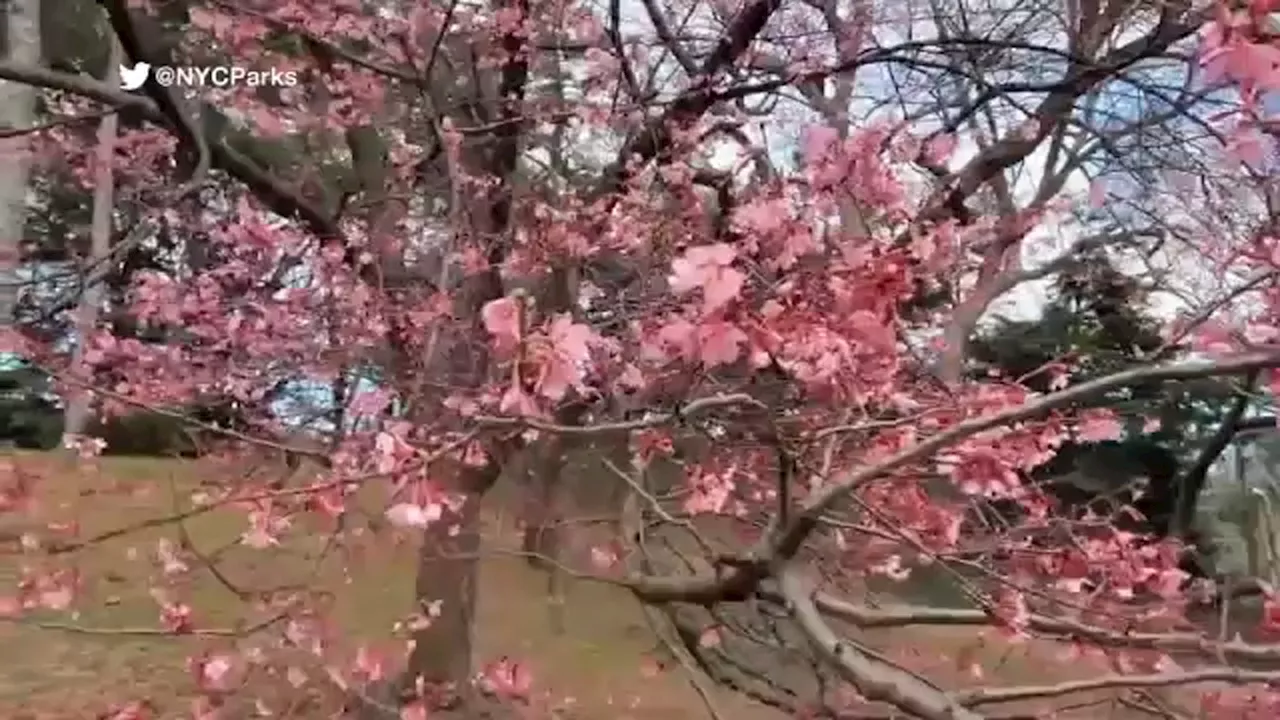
(170, 434)
(1107, 476)
(145, 434)
(1097, 325)
(1094, 321)
(30, 417)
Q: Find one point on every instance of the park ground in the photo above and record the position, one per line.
(73, 665)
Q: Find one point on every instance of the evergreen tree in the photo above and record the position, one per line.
(1097, 322)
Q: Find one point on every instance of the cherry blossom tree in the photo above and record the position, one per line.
(497, 233)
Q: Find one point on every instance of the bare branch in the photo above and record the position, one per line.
(992, 696)
(875, 677)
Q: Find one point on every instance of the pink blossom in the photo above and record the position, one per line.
(412, 515)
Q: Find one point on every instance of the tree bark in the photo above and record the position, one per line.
(78, 404)
(17, 112)
(448, 558)
(545, 481)
(448, 573)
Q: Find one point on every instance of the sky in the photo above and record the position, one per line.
(1046, 241)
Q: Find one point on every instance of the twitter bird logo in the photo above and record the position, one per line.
(132, 78)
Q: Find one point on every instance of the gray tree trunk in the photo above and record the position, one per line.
(17, 111)
(78, 405)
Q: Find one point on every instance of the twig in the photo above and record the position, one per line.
(146, 632)
(1235, 676)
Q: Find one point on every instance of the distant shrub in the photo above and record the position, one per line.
(29, 415)
(146, 434)
(30, 425)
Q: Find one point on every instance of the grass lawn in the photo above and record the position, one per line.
(110, 651)
(72, 666)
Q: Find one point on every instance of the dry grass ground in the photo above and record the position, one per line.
(73, 672)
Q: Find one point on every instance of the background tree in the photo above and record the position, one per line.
(78, 406)
(21, 45)
(31, 415)
(1098, 323)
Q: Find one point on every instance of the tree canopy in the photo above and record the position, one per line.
(728, 267)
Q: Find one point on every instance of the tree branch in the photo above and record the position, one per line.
(273, 192)
(754, 565)
(901, 616)
(656, 136)
(876, 678)
(1189, 484)
(992, 696)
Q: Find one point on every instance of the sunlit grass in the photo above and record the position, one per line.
(76, 671)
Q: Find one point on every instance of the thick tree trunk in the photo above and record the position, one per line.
(439, 668)
(448, 573)
(78, 404)
(17, 111)
(544, 512)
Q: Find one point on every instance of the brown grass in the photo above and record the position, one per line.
(74, 673)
